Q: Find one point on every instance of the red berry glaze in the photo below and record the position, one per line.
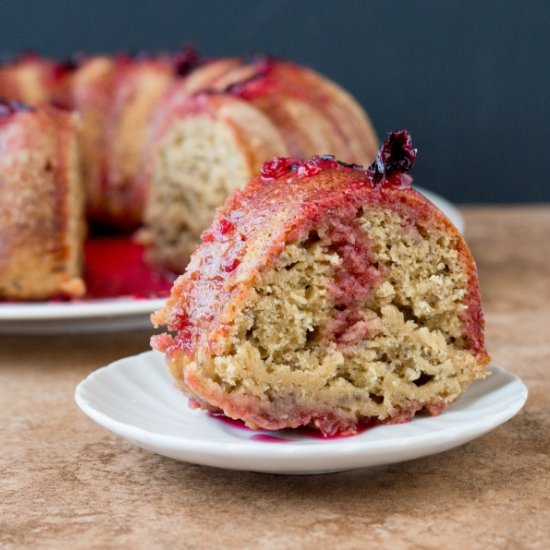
(279, 167)
(225, 227)
(249, 88)
(300, 168)
(231, 266)
(395, 158)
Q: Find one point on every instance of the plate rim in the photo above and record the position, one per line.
(259, 449)
(86, 309)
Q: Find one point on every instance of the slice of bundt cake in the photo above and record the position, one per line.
(324, 295)
(41, 206)
(175, 103)
(248, 112)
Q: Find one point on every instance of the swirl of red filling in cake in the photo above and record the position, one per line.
(325, 294)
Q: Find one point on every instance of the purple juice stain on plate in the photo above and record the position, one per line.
(232, 422)
(266, 438)
(303, 432)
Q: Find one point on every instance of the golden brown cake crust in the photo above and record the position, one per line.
(88, 89)
(137, 89)
(41, 206)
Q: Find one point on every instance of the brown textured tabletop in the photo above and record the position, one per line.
(67, 483)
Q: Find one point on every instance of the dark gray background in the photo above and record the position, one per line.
(470, 80)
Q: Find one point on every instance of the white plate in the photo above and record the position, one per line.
(84, 316)
(79, 316)
(136, 399)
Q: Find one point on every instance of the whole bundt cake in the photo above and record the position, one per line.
(325, 295)
(41, 203)
(173, 134)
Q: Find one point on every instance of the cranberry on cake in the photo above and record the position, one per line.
(42, 202)
(325, 295)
